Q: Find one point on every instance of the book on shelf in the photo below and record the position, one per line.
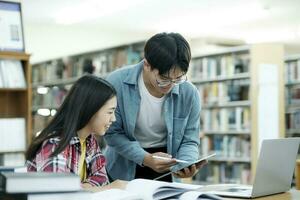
(13, 134)
(293, 95)
(12, 74)
(293, 120)
(70, 67)
(50, 96)
(213, 67)
(220, 93)
(12, 159)
(133, 56)
(100, 63)
(292, 70)
(226, 119)
(228, 147)
(214, 173)
(33, 182)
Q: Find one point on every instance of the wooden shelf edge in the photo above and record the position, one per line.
(12, 152)
(13, 89)
(14, 55)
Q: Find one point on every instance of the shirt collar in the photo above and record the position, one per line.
(75, 139)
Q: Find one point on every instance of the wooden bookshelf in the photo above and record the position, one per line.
(228, 82)
(16, 102)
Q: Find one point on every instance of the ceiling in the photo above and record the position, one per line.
(251, 21)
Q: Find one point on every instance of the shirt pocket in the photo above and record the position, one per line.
(179, 125)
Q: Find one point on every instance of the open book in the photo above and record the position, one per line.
(157, 190)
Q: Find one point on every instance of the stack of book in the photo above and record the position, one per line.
(40, 185)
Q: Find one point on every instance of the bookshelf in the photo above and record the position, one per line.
(292, 95)
(292, 104)
(15, 110)
(234, 86)
(52, 79)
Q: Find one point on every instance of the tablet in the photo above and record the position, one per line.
(182, 166)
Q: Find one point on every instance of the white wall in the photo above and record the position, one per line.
(46, 42)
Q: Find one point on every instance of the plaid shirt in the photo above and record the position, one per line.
(68, 160)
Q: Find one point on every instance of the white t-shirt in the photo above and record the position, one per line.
(150, 129)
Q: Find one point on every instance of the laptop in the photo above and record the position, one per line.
(274, 172)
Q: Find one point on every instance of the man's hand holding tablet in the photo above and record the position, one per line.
(188, 169)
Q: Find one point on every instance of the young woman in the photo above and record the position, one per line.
(68, 143)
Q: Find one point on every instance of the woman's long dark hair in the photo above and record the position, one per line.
(85, 98)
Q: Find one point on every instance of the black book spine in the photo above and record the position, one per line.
(5, 196)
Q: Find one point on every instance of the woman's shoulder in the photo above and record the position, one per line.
(57, 140)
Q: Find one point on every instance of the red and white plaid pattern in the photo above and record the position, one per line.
(68, 160)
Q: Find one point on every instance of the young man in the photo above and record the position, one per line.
(158, 113)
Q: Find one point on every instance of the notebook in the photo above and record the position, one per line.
(274, 172)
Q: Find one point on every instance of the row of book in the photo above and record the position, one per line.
(293, 95)
(226, 119)
(292, 98)
(12, 74)
(293, 120)
(226, 147)
(219, 66)
(13, 134)
(99, 63)
(50, 96)
(222, 92)
(292, 70)
(238, 173)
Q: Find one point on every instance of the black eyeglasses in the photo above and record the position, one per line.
(164, 83)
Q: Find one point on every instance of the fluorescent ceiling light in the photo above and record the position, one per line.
(92, 9)
(42, 90)
(43, 111)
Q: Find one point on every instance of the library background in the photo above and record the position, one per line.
(249, 86)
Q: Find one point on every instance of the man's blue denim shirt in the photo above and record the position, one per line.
(182, 117)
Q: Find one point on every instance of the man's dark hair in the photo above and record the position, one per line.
(165, 51)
